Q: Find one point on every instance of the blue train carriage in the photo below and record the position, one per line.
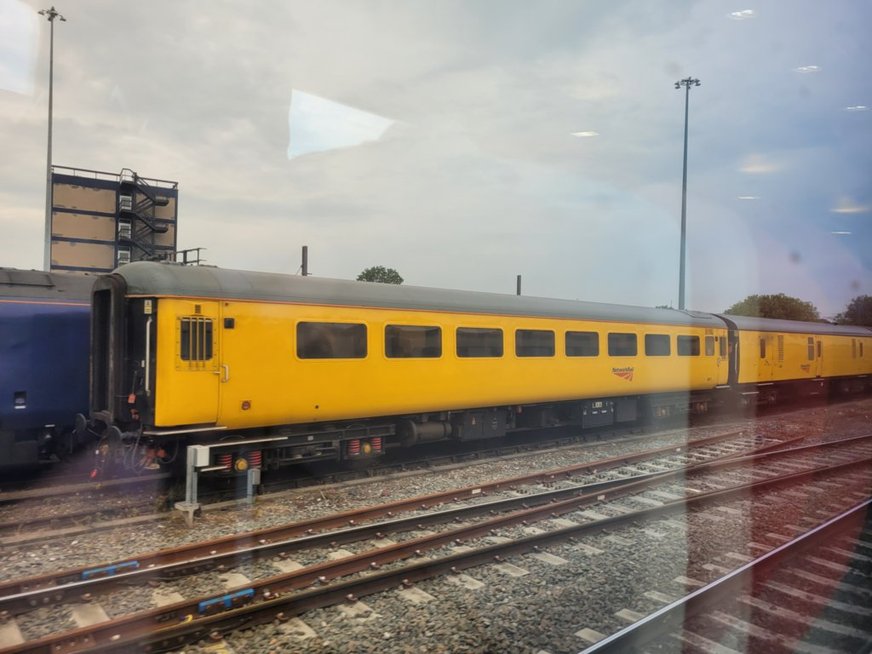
(44, 347)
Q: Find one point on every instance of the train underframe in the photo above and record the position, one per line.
(361, 442)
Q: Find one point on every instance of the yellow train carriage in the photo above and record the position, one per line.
(208, 349)
(800, 356)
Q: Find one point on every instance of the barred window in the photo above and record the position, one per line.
(657, 345)
(331, 340)
(477, 342)
(622, 345)
(412, 341)
(534, 343)
(688, 346)
(582, 344)
(195, 339)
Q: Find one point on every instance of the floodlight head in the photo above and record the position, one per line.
(696, 81)
(678, 85)
(63, 20)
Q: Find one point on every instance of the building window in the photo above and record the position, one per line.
(331, 340)
(534, 343)
(410, 342)
(622, 345)
(195, 339)
(123, 256)
(688, 346)
(582, 344)
(477, 342)
(811, 348)
(125, 202)
(709, 346)
(125, 230)
(656, 345)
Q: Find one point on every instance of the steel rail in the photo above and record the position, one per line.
(233, 542)
(671, 616)
(123, 574)
(132, 628)
(176, 624)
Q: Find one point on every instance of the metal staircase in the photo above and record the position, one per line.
(137, 222)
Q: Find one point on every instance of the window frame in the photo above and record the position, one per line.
(201, 340)
(572, 352)
(614, 345)
(682, 339)
(661, 339)
(465, 331)
(331, 323)
(419, 328)
(529, 333)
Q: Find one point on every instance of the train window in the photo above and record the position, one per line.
(820, 349)
(709, 346)
(811, 348)
(622, 345)
(780, 347)
(762, 347)
(854, 348)
(861, 348)
(477, 342)
(722, 346)
(331, 340)
(657, 345)
(582, 344)
(412, 342)
(534, 343)
(195, 339)
(688, 346)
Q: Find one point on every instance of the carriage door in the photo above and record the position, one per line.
(197, 362)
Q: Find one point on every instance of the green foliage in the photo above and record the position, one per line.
(858, 312)
(779, 306)
(380, 274)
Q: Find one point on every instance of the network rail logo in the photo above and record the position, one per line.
(624, 373)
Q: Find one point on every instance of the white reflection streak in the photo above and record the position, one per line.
(744, 14)
(749, 197)
(317, 124)
(585, 134)
(857, 107)
(807, 69)
(19, 31)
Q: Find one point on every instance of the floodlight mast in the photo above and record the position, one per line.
(50, 16)
(686, 83)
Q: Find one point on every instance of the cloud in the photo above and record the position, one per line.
(743, 14)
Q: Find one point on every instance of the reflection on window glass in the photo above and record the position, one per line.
(534, 343)
(622, 345)
(657, 345)
(317, 124)
(688, 346)
(582, 344)
(476, 342)
(331, 340)
(411, 341)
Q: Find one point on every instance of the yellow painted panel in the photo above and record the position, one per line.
(186, 392)
(265, 374)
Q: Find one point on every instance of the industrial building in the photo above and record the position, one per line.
(101, 220)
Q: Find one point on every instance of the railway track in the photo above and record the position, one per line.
(810, 594)
(283, 596)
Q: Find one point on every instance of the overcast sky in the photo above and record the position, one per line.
(482, 139)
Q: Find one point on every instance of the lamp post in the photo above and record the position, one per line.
(686, 83)
(50, 15)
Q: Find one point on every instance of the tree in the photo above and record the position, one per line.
(380, 274)
(775, 306)
(858, 312)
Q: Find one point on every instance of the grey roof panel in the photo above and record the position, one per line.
(38, 284)
(160, 279)
(751, 323)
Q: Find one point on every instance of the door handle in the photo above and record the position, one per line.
(225, 370)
